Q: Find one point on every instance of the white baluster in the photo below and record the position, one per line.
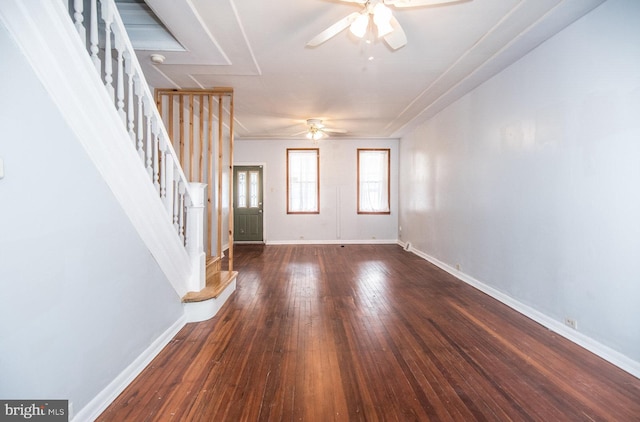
(167, 163)
(155, 164)
(181, 222)
(93, 35)
(140, 120)
(128, 70)
(78, 17)
(148, 139)
(119, 42)
(185, 221)
(107, 17)
(162, 159)
(176, 203)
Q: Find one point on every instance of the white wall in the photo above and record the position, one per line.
(81, 296)
(531, 182)
(338, 220)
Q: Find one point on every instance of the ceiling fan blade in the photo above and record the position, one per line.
(333, 30)
(333, 130)
(414, 3)
(396, 38)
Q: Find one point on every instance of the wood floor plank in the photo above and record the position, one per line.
(369, 333)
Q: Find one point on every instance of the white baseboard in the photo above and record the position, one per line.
(333, 242)
(616, 358)
(96, 406)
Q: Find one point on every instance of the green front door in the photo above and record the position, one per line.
(247, 203)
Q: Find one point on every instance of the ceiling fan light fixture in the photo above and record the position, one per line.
(316, 130)
(387, 25)
(359, 26)
(315, 134)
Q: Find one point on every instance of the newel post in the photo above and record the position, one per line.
(195, 236)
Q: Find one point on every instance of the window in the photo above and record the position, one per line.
(303, 190)
(242, 191)
(373, 181)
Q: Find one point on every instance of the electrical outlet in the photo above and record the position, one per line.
(458, 267)
(569, 322)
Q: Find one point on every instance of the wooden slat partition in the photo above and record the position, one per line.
(190, 116)
(210, 176)
(231, 117)
(191, 152)
(201, 139)
(220, 152)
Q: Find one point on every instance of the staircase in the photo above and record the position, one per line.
(83, 57)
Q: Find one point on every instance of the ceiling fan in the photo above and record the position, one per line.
(316, 130)
(387, 25)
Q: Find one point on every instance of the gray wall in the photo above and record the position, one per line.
(81, 297)
(531, 182)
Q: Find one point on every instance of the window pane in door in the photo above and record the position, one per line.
(242, 189)
(253, 189)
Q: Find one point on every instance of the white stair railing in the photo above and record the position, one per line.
(101, 29)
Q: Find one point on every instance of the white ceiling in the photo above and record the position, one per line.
(258, 48)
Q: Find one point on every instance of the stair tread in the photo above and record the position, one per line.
(216, 283)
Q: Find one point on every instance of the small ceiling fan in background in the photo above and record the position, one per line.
(387, 26)
(316, 130)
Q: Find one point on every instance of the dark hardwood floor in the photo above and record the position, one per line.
(368, 333)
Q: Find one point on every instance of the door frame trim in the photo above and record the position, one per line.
(264, 195)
